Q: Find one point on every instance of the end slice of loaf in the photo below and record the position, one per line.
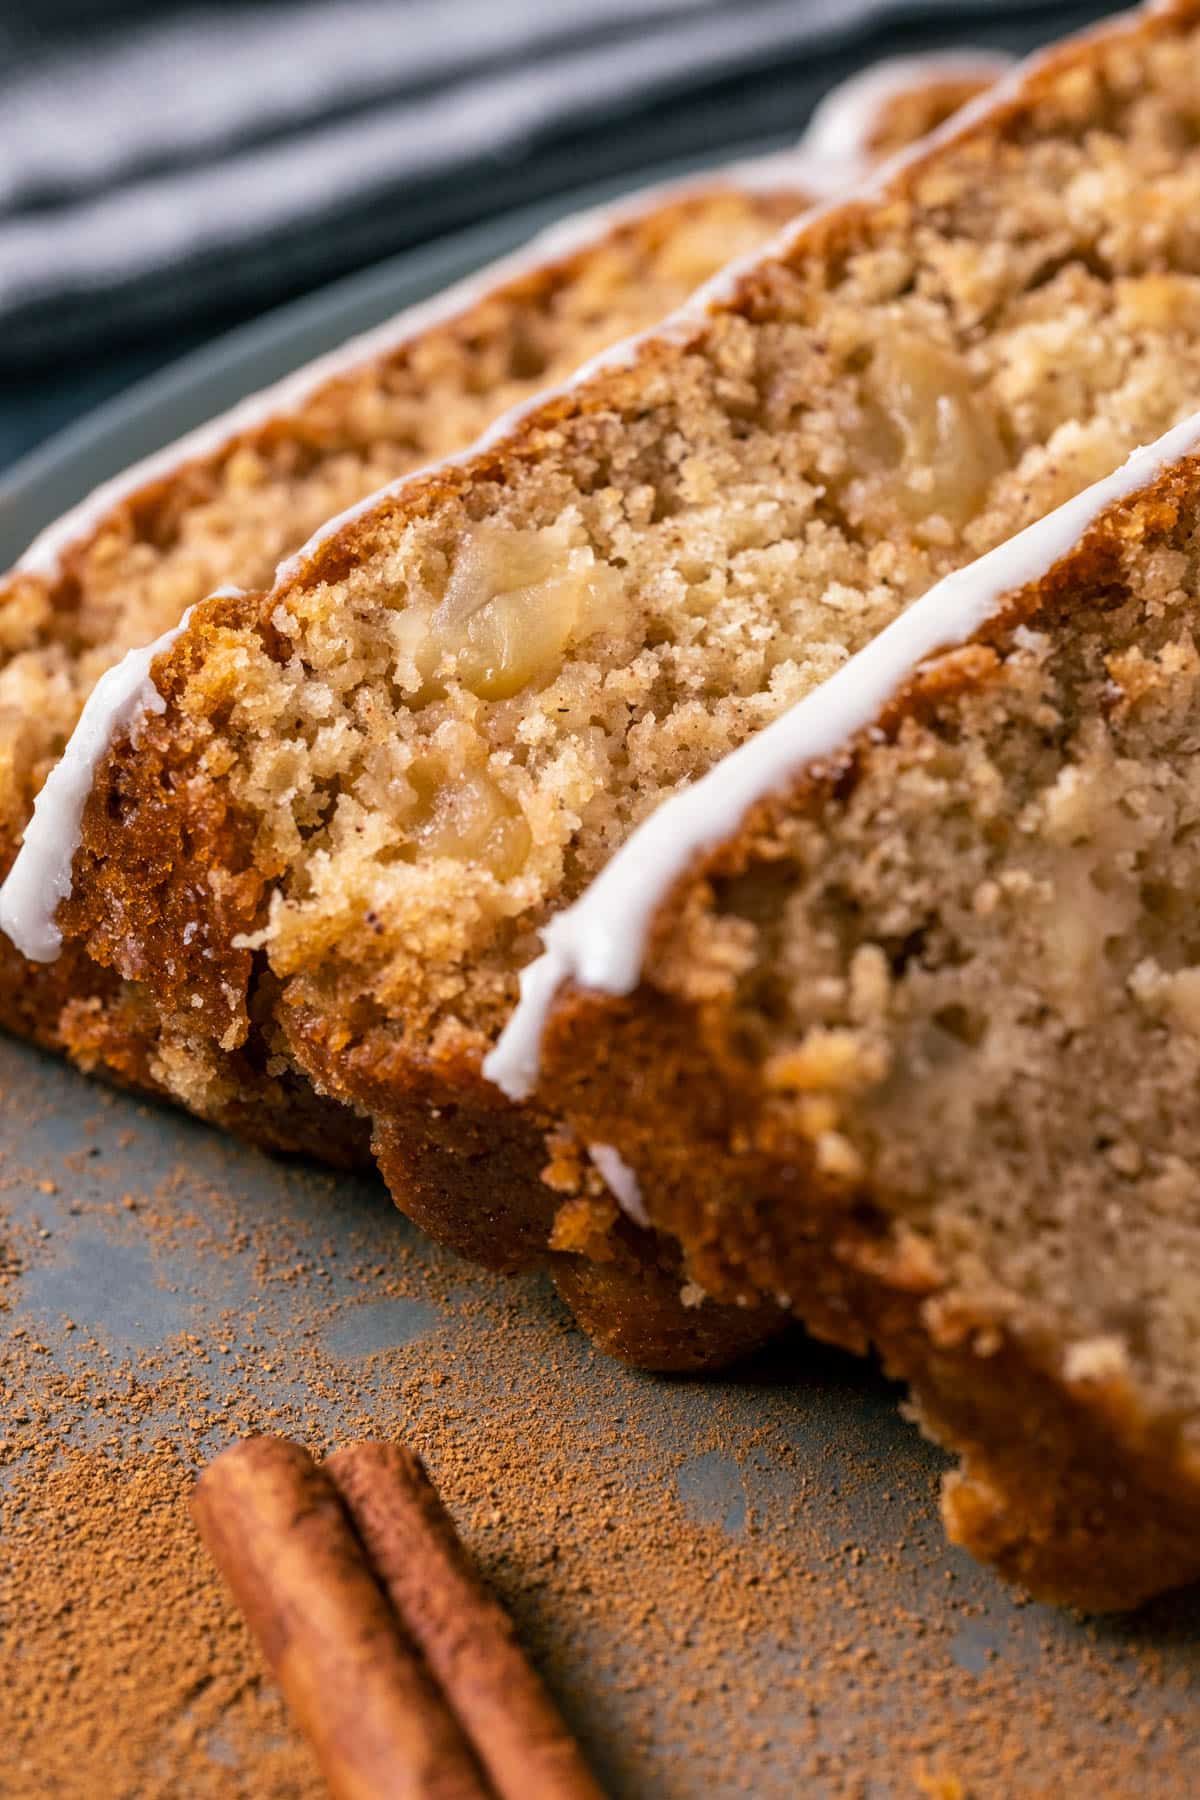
(915, 1049)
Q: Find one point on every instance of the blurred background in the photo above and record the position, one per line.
(169, 171)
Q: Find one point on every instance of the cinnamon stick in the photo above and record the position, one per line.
(463, 1633)
(277, 1530)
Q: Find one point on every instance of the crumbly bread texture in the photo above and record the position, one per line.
(913, 110)
(373, 782)
(231, 507)
(918, 1050)
(234, 510)
(237, 506)
(233, 513)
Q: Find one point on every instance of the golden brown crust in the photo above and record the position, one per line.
(79, 1004)
(463, 1163)
(1064, 1491)
(832, 233)
(139, 927)
(1074, 1487)
(104, 1018)
(151, 513)
(190, 860)
(915, 112)
(631, 1309)
(101, 1002)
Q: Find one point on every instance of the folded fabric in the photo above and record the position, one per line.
(164, 166)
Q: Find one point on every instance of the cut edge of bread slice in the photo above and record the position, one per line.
(903, 1033)
(133, 557)
(585, 275)
(458, 1156)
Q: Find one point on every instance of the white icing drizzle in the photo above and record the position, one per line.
(842, 123)
(287, 396)
(621, 1182)
(41, 875)
(820, 165)
(566, 238)
(826, 178)
(600, 941)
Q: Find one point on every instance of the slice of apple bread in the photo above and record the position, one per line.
(915, 1044)
(371, 783)
(231, 499)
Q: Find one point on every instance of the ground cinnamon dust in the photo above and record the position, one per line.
(732, 1587)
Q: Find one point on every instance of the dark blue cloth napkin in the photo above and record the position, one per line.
(160, 167)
